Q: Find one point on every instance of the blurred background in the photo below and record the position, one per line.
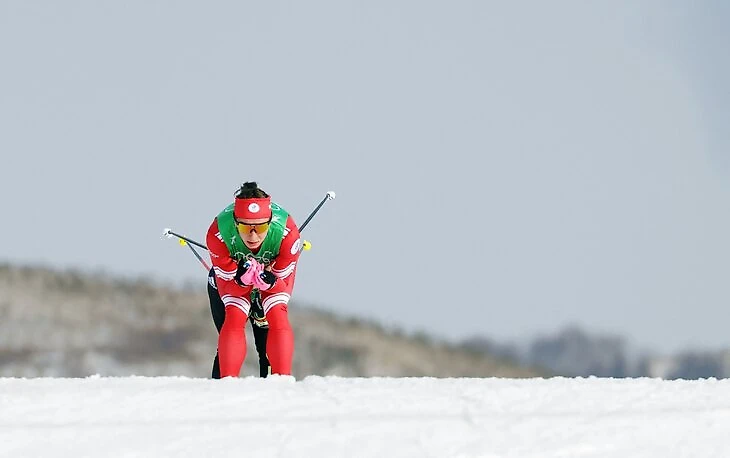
(539, 188)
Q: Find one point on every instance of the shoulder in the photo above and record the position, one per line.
(291, 226)
(213, 238)
(213, 229)
(291, 243)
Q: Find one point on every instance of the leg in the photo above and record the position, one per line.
(230, 321)
(260, 332)
(280, 341)
(260, 336)
(258, 323)
(232, 342)
(217, 310)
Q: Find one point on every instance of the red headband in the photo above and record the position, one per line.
(252, 208)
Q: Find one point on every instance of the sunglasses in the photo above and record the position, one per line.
(259, 228)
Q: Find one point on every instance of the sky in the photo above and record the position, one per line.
(364, 417)
(502, 169)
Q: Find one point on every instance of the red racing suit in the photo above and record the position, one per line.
(237, 301)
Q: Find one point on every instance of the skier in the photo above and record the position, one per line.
(254, 246)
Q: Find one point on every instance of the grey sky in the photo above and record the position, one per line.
(502, 168)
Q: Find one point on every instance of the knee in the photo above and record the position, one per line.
(235, 318)
(278, 317)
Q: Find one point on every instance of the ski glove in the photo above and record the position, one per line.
(264, 280)
(248, 271)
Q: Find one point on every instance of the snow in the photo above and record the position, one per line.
(364, 417)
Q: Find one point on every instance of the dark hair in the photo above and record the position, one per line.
(250, 190)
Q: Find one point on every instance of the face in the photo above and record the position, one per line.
(253, 231)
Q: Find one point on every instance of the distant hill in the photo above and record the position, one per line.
(65, 323)
(573, 352)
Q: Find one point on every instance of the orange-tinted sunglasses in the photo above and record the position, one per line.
(259, 228)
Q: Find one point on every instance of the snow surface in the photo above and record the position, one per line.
(364, 417)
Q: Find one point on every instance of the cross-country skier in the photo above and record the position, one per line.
(254, 246)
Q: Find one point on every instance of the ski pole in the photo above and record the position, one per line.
(330, 195)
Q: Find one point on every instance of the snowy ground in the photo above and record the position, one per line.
(349, 417)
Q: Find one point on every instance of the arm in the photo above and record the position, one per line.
(284, 266)
(225, 270)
